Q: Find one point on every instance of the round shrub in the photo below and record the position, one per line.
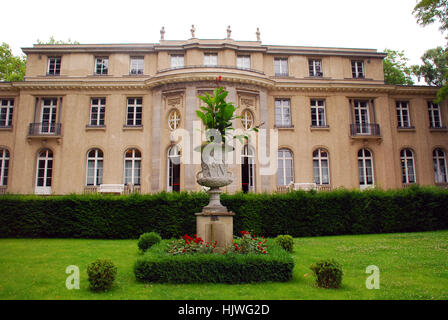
(328, 273)
(147, 240)
(101, 274)
(286, 242)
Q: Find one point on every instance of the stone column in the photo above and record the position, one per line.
(156, 157)
(190, 116)
(265, 180)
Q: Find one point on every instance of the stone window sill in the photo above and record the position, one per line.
(94, 128)
(133, 128)
(320, 128)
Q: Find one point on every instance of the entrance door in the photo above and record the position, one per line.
(44, 172)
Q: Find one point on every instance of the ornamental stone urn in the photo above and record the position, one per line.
(215, 222)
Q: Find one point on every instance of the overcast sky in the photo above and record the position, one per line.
(376, 24)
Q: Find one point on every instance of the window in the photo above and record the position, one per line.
(177, 61)
(247, 119)
(440, 168)
(134, 112)
(358, 69)
(101, 65)
(97, 111)
(137, 65)
(362, 116)
(282, 113)
(315, 67)
(174, 119)
(6, 110)
(94, 167)
(435, 119)
(174, 169)
(210, 59)
(4, 167)
(403, 114)
(243, 62)
(318, 113)
(132, 165)
(48, 115)
(54, 66)
(365, 168)
(320, 167)
(248, 169)
(407, 166)
(281, 66)
(285, 170)
(44, 171)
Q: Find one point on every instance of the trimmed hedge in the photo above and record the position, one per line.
(172, 214)
(159, 266)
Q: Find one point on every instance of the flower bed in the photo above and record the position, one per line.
(162, 264)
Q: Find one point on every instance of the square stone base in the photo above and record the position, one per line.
(213, 228)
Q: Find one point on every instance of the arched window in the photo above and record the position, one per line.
(247, 119)
(174, 169)
(248, 169)
(4, 166)
(407, 166)
(285, 170)
(365, 168)
(440, 169)
(132, 167)
(321, 167)
(174, 119)
(94, 167)
(44, 172)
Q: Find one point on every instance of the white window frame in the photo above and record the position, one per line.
(6, 113)
(45, 188)
(281, 67)
(285, 155)
(49, 127)
(174, 119)
(247, 119)
(315, 67)
(97, 168)
(210, 59)
(100, 112)
(103, 63)
(133, 160)
(137, 116)
(4, 166)
(177, 61)
(316, 105)
(136, 65)
(407, 164)
(364, 161)
(402, 108)
(243, 62)
(173, 158)
(440, 174)
(54, 66)
(320, 160)
(361, 110)
(356, 66)
(434, 113)
(282, 105)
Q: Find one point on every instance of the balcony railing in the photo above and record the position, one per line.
(365, 129)
(44, 129)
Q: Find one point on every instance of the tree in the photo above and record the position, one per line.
(53, 41)
(12, 68)
(434, 68)
(396, 70)
(428, 11)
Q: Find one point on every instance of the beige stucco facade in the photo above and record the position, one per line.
(256, 88)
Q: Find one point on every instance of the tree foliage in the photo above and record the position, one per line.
(434, 68)
(396, 69)
(12, 68)
(430, 11)
(52, 40)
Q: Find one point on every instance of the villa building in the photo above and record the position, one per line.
(89, 117)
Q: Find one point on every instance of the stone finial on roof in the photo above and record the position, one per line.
(193, 30)
(162, 33)
(258, 34)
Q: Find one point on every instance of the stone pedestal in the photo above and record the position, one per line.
(213, 227)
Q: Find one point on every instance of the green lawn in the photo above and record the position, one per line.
(412, 266)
